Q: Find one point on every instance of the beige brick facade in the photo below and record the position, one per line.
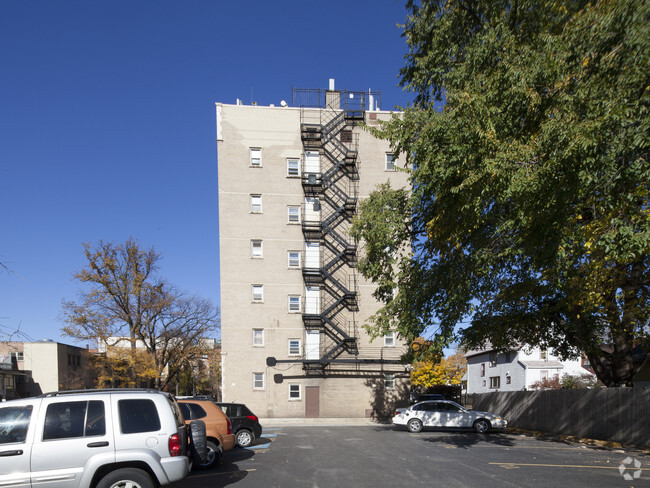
(328, 366)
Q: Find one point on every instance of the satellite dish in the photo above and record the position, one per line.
(283, 103)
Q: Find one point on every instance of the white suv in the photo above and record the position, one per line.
(93, 439)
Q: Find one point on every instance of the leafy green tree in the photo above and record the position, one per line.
(529, 214)
(148, 329)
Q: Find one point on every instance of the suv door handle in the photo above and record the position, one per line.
(98, 444)
(17, 452)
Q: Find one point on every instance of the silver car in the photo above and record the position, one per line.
(107, 439)
(445, 413)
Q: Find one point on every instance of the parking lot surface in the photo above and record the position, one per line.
(383, 456)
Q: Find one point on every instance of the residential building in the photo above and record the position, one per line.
(490, 370)
(292, 302)
(44, 366)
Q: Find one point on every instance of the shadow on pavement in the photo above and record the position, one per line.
(465, 440)
(226, 474)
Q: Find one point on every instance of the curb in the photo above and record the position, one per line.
(311, 422)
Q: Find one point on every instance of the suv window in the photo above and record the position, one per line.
(192, 411)
(138, 415)
(74, 419)
(14, 422)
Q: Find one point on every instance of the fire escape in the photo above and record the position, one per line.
(330, 182)
(331, 189)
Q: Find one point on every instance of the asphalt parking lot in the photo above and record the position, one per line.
(382, 456)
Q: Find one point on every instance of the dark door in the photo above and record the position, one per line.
(312, 401)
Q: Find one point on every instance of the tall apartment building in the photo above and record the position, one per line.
(292, 302)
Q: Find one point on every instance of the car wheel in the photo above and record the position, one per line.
(213, 456)
(198, 442)
(414, 425)
(244, 438)
(482, 426)
(126, 478)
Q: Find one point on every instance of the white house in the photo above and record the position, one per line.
(489, 370)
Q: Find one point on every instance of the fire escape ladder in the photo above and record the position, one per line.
(329, 131)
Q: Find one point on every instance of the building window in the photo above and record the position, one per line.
(256, 248)
(18, 355)
(389, 381)
(9, 382)
(495, 381)
(294, 347)
(389, 339)
(294, 303)
(256, 157)
(256, 203)
(258, 337)
(293, 167)
(390, 165)
(294, 259)
(508, 380)
(258, 293)
(295, 392)
(543, 375)
(508, 357)
(482, 369)
(293, 214)
(543, 354)
(493, 359)
(346, 135)
(258, 381)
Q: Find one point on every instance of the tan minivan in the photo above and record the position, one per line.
(217, 427)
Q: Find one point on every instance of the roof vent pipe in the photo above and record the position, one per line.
(331, 84)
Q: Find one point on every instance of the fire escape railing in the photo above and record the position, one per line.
(330, 182)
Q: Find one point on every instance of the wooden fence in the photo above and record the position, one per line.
(611, 414)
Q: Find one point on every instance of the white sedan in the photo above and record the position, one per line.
(444, 413)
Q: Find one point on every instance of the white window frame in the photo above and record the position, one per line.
(255, 246)
(258, 337)
(389, 381)
(18, 355)
(389, 162)
(495, 382)
(292, 351)
(289, 265)
(256, 200)
(293, 214)
(292, 299)
(254, 161)
(258, 381)
(291, 171)
(295, 388)
(261, 294)
(389, 339)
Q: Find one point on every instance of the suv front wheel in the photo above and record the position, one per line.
(126, 478)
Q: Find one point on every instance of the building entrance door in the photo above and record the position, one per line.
(312, 402)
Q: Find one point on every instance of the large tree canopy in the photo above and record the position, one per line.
(529, 214)
(149, 329)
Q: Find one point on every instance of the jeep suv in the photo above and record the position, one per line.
(93, 438)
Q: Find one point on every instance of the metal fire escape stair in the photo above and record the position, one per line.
(336, 189)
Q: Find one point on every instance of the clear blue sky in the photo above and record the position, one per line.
(107, 124)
